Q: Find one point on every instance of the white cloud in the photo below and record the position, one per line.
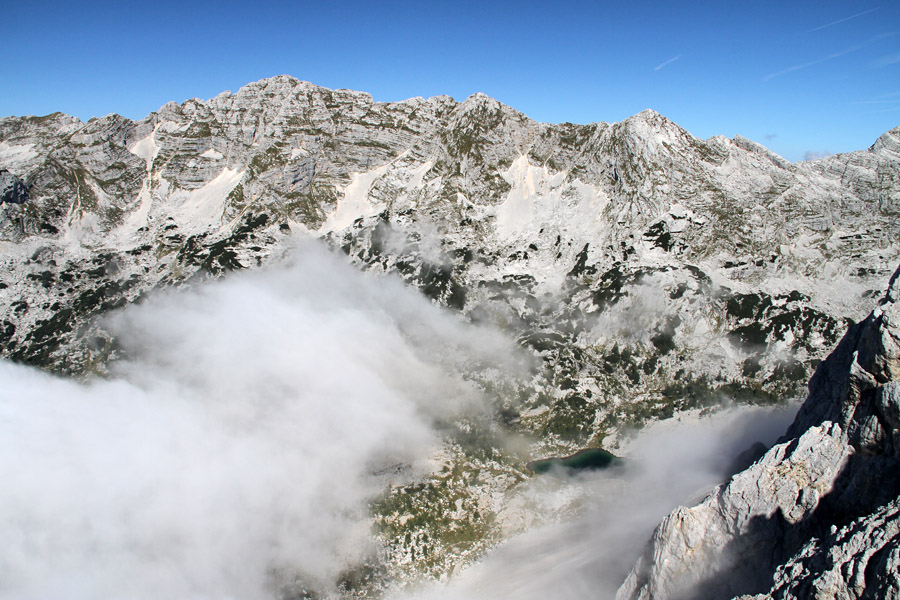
(865, 12)
(813, 155)
(666, 63)
(236, 448)
(237, 442)
(832, 56)
(885, 61)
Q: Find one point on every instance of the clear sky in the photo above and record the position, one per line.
(798, 77)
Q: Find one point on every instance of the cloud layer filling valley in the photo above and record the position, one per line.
(235, 446)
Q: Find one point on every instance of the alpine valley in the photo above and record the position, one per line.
(643, 274)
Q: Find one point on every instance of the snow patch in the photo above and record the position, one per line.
(212, 154)
(205, 205)
(517, 213)
(541, 197)
(146, 147)
(355, 202)
(14, 156)
(417, 177)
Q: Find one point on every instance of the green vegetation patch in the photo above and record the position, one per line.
(262, 162)
(308, 207)
(433, 526)
(764, 319)
(571, 419)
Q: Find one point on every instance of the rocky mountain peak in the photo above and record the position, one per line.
(482, 98)
(652, 142)
(481, 109)
(650, 116)
(650, 124)
(888, 143)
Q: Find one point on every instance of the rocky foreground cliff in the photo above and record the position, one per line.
(646, 271)
(818, 516)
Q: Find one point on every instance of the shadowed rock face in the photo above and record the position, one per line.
(819, 514)
(12, 189)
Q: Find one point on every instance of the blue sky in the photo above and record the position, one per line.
(799, 77)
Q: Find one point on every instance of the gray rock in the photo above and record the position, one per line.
(859, 560)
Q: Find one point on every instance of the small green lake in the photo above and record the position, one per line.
(588, 459)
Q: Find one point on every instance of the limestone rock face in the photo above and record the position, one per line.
(818, 514)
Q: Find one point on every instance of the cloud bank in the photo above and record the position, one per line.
(233, 451)
(814, 155)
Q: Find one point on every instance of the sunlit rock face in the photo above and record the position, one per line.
(817, 515)
(644, 271)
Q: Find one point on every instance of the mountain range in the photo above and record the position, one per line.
(646, 273)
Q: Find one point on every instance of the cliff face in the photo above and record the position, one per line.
(818, 515)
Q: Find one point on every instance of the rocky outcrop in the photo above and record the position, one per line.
(12, 189)
(818, 514)
(858, 560)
